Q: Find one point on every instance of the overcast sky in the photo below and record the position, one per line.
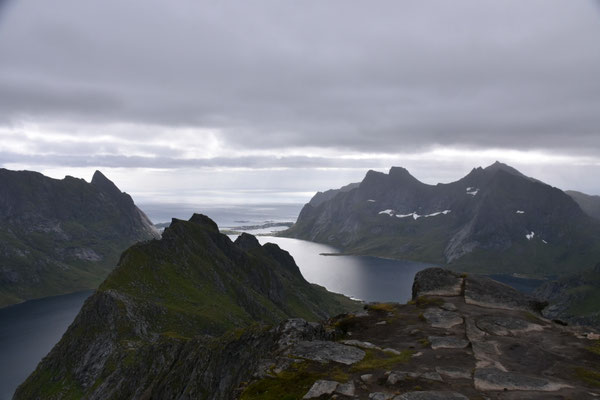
(240, 101)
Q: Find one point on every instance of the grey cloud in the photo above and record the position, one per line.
(386, 76)
(254, 162)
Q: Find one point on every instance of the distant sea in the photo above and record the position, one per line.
(225, 216)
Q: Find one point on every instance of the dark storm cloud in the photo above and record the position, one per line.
(363, 76)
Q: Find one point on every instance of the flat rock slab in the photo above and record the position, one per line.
(472, 331)
(494, 379)
(487, 354)
(324, 351)
(438, 318)
(454, 372)
(320, 388)
(486, 292)
(447, 342)
(346, 389)
(431, 395)
(504, 326)
(448, 307)
(437, 282)
(432, 376)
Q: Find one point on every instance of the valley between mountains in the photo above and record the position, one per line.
(193, 314)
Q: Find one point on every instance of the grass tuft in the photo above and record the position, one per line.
(588, 376)
(375, 359)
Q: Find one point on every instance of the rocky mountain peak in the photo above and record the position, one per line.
(492, 214)
(100, 181)
(62, 235)
(247, 242)
(201, 219)
(197, 309)
(402, 174)
(498, 166)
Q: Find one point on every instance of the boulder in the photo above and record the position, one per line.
(486, 292)
(436, 282)
(320, 388)
(346, 389)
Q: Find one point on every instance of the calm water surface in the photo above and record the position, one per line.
(27, 333)
(365, 278)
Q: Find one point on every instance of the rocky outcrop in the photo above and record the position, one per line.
(60, 236)
(500, 349)
(494, 220)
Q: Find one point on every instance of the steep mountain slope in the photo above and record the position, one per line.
(574, 298)
(181, 317)
(59, 236)
(589, 204)
(492, 220)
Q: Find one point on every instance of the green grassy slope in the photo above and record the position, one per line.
(181, 298)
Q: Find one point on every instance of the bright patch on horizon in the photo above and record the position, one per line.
(371, 201)
(520, 212)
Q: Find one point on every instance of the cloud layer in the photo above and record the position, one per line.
(279, 84)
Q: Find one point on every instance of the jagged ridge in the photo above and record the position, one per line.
(192, 301)
(495, 219)
(59, 236)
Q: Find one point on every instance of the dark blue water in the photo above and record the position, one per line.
(361, 277)
(27, 333)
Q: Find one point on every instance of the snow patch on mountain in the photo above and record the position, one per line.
(530, 236)
(417, 216)
(388, 212)
(472, 191)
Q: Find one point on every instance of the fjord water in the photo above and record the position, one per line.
(27, 333)
(361, 277)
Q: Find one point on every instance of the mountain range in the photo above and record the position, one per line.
(186, 317)
(61, 236)
(493, 220)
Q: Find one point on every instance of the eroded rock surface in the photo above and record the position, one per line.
(475, 339)
(439, 318)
